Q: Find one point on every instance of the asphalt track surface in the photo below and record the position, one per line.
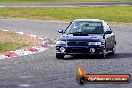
(43, 70)
(68, 4)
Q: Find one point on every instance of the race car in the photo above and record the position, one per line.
(86, 37)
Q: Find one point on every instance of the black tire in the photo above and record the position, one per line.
(59, 56)
(113, 50)
(104, 54)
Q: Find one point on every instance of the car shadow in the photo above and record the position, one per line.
(120, 56)
(109, 56)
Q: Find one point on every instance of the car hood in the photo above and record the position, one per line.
(90, 37)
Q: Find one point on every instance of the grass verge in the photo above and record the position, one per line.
(9, 46)
(10, 41)
(64, 0)
(108, 13)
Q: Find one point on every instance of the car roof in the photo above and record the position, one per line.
(95, 20)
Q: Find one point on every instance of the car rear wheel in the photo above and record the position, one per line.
(59, 56)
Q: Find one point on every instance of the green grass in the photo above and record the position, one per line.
(108, 13)
(8, 33)
(64, 0)
(9, 46)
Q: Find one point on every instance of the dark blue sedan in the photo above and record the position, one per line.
(86, 37)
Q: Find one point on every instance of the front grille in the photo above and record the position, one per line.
(76, 50)
(77, 43)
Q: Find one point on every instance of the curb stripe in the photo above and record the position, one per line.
(29, 50)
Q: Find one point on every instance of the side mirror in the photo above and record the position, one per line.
(108, 32)
(60, 31)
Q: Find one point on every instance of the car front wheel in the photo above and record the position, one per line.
(113, 50)
(103, 55)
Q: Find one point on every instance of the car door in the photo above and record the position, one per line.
(113, 42)
(108, 37)
(111, 39)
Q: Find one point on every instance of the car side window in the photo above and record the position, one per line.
(107, 27)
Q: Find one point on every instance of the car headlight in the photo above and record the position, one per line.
(94, 43)
(61, 42)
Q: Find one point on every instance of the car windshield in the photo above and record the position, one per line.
(85, 27)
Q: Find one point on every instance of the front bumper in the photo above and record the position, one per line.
(78, 50)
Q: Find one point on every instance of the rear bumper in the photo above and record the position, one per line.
(79, 50)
